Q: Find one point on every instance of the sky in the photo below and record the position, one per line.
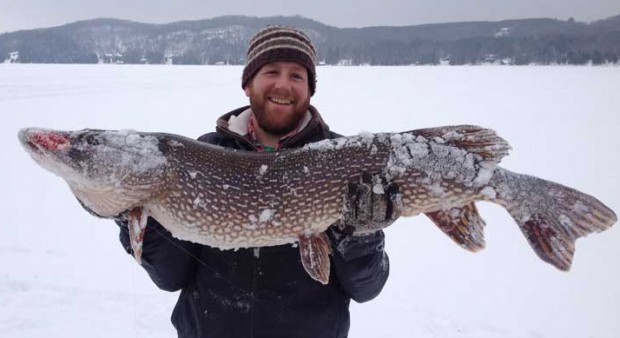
(30, 14)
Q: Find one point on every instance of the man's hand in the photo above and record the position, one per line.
(372, 204)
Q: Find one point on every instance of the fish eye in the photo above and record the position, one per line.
(91, 140)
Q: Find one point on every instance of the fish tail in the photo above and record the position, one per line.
(551, 216)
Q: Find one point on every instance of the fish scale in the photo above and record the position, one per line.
(235, 199)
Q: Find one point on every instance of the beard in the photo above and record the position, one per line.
(279, 124)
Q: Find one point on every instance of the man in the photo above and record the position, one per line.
(266, 292)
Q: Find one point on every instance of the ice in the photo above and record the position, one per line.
(64, 274)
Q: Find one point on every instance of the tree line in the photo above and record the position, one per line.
(223, 41)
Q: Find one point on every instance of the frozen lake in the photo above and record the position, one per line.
(64, 274)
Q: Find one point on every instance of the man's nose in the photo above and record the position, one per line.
(283, 81)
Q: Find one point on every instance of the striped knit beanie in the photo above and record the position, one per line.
(280, 43)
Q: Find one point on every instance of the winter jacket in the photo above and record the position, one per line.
(262, 292)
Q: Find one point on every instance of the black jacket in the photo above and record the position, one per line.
(262, 292)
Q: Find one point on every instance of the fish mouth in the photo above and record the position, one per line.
(41, 140)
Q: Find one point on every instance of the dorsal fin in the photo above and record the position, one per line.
(474, 139)
(463, 224)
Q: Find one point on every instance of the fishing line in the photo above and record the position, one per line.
(250, 295)
(217, 273)
(134, 300)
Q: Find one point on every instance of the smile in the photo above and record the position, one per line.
(280, 101)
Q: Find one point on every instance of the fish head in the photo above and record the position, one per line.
(50, 149)
(108, 171)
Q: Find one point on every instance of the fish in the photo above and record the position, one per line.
(230, 199)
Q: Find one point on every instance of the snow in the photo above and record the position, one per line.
(338, 143)
(488, 192)
(141, 152)
(263, 169)
(65, 274)
(266, 215)
(485, 173)
(377, 187)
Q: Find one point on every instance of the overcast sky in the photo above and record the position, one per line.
(28, 14)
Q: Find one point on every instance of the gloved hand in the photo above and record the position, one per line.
(371, 205)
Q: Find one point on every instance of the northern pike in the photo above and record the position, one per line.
(232, 199)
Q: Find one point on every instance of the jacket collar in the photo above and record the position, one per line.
(234, 124)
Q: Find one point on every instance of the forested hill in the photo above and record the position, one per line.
(223, 40)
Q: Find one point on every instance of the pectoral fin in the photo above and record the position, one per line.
(137, 227)
(463, 224)
(109, 202)
(315, 251)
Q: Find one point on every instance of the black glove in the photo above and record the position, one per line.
(371, 205)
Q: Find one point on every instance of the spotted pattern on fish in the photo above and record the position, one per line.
(233, 199)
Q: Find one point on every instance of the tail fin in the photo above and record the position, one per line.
(551, 216)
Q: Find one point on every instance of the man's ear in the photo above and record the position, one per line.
(247, 91)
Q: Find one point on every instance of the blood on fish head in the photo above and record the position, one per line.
(48, 140)
(49, 148)
(103, 155)
(101, 167)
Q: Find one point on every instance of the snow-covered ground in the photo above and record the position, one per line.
(64, 274)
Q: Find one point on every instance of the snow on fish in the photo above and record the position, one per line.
(232, 199)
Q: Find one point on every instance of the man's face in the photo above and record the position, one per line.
(279, 96)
